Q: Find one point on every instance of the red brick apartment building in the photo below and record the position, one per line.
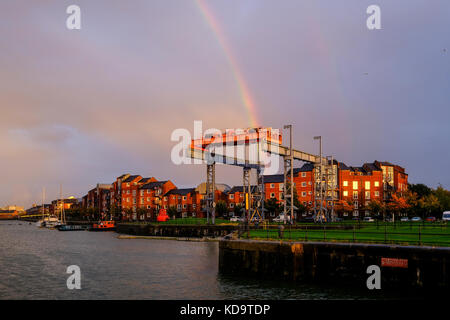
(355, 185)
(184, 200)
(133, 195)
(236, 196)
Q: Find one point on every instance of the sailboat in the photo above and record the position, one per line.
(55, 221)
(41, 223)
(63, 226)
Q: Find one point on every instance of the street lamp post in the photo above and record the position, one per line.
(291, 174)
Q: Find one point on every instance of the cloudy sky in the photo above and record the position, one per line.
(84, 106)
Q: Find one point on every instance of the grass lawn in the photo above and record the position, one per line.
(438, 235)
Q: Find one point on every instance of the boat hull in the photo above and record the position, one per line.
(71, 228)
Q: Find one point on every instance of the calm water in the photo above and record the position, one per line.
(33, 264)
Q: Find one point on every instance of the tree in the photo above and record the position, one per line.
(376, 207)
(443, 197)
(301, 209)
(272, 206)
(420, 189)
(398, 204)
(238, 210)
(172, 211)
(343, 206)
(429, 205)
(221, 208)
(141, 213)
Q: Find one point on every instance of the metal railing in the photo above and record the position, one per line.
(434, 234)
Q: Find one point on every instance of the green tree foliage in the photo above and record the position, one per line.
(272, 206)
(238, 210)
(172, 212)
(424, 201)
(221, 208)
(420, 190)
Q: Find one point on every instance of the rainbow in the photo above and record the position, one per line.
(222, 40)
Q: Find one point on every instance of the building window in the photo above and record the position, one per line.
(231, 205)
(355, 213)
(184, 206)
(345, 193)
(310, 192)
(345, 183)
(367, 185)
(303, 194)
(303, 184)
(303, 174)
(355, 185)
(367, 195)
(272, 185)
(272, 195)
(231, 196)
(355, 204)
(184, 197)
(355, 194)
(377, 193)
(377, 183)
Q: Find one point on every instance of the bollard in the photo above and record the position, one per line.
(280, 231)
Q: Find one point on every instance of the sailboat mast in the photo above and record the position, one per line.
(43, 207)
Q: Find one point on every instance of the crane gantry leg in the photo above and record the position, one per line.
(210, 192)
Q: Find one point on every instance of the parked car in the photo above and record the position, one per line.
(337, 219)
(431, 219)
(281, 218)
(308, 219)
(368, 219)
(416, 219)
(235, 219)
(446, 216)
(404, 219)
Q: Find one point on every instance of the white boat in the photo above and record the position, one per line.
(51, 222)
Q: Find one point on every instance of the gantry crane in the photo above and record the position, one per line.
(262, 140)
